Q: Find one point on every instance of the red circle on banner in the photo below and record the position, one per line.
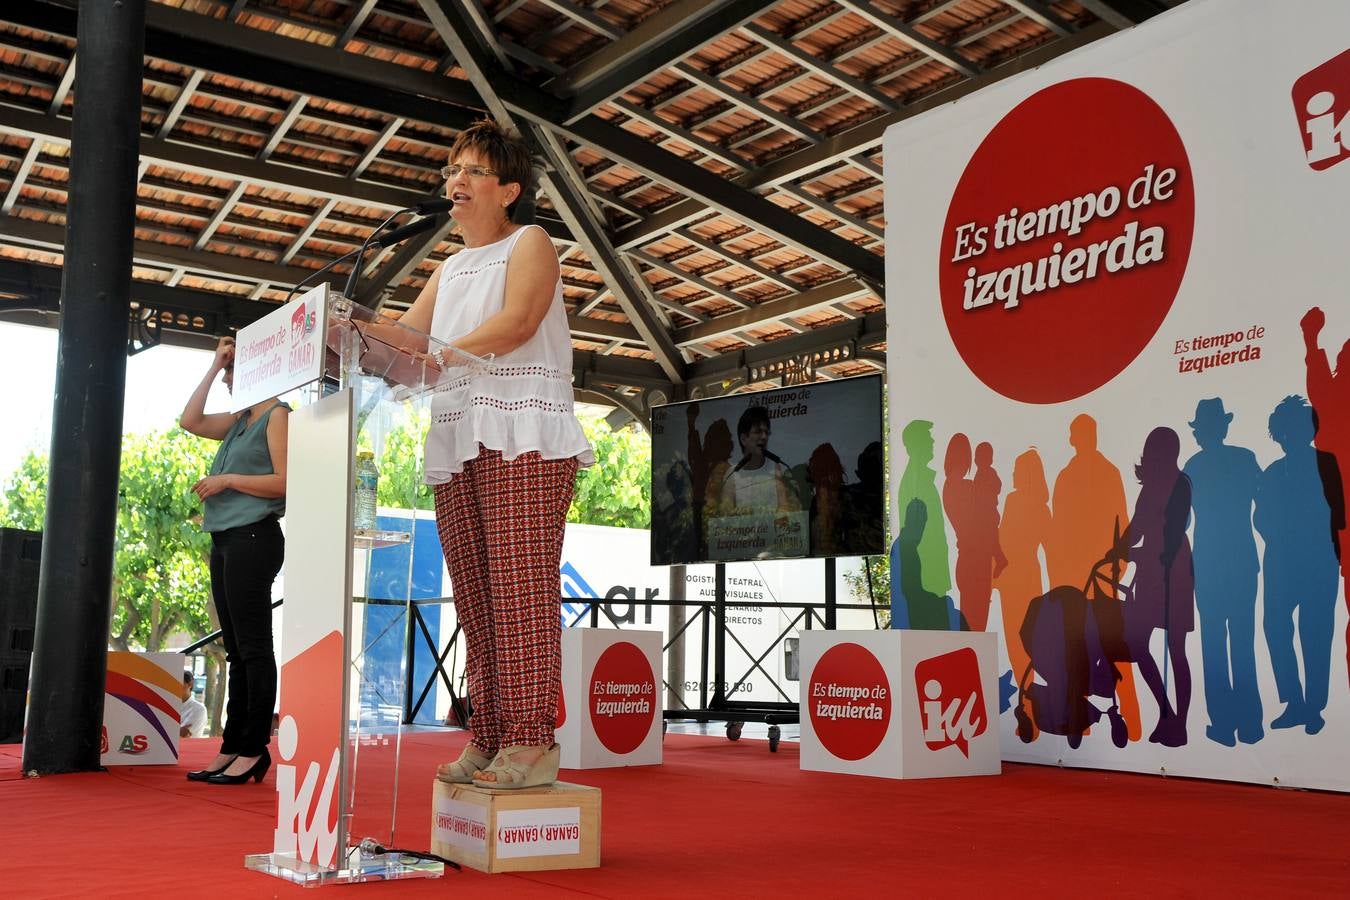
(1043, 315)
(850, 700)
(623, 697)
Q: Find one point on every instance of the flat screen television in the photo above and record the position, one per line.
(786, 473)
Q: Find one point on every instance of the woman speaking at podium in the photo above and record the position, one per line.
(242, 497)
(502, 454)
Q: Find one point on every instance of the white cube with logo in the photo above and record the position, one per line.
(899, 704)
(142, 704)
(609, 713)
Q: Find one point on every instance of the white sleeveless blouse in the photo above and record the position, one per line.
(525, 402)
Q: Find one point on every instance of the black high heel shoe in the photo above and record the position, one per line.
(204, 774)
(256, 772)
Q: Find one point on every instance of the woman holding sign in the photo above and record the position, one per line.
(502, 454)
(242, 498)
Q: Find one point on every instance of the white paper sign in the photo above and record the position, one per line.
(462, 824)
(281, 351)
(538, 832)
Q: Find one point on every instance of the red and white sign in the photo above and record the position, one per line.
(1096, 226)
(898, 704)
(1117, 268)
(1322, 105)
(538, 832)
(615, 678)
(281, 351)
(461, 824)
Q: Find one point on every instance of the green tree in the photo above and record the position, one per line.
(161, 582)
(617, 490)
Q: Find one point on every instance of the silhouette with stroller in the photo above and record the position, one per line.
(1296, 519)
(1023, 531)
(1088, 512)
(1329, 394)
(912, 605)
(1223, 485)
(1164, 579)
(973, 513)
(919, 482)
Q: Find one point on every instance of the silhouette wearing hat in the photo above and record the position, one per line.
(1223, 486)
(1329, 394)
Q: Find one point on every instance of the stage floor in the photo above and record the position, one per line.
(718, 819)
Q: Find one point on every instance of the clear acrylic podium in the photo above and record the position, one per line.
(340, 731)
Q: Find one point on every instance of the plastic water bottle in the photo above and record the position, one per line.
(367, 484)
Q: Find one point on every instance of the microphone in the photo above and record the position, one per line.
(431, 207)
(415, 227)
(426, 207)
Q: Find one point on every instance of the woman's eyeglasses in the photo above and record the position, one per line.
(448, 172)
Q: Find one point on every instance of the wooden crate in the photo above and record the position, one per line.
(532, 829)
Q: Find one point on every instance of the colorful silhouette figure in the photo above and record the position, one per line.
(919, 482)
(974, 518)
(1300, 567)
(826, 474)
(1329, 394)
(1022, 533)
(1164, 580)
(1088, 512)
(1223, 485)
(912, 605)
(988, 488)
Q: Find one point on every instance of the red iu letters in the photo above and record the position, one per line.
(951, 700)
(1322, 105)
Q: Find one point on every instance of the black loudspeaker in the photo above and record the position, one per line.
(20, 558)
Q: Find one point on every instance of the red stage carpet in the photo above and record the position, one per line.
(718, 819)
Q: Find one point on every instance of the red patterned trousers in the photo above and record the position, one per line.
(501, 528)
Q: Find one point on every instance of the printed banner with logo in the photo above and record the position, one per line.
(1117, 295)
(281, 351)
(142, 702)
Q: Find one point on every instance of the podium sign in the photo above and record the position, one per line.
(610, 711)
(340, 730)
(142, 701)
(281, 351)
(899, 704)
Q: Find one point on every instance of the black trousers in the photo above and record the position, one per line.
(244, 563)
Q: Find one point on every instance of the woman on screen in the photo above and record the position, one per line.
(758, 484)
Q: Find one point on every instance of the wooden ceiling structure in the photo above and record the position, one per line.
(711, 169)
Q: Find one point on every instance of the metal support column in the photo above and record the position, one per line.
(75, 587)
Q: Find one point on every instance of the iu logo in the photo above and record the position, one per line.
(951, 700)
(302, 825)
(1322, 105)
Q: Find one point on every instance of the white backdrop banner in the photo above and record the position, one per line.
(1117, 292)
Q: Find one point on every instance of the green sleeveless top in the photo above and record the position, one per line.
(242, 452)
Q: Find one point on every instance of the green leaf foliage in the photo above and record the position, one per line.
(161, 582)
(617, 490)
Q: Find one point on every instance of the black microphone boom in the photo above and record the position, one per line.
(431, 207)
(415, 227)
(424, 208)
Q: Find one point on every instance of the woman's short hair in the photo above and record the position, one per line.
(755, 415)
(504, 151)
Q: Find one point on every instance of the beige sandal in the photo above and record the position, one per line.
(510, 774)
(461, 770)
